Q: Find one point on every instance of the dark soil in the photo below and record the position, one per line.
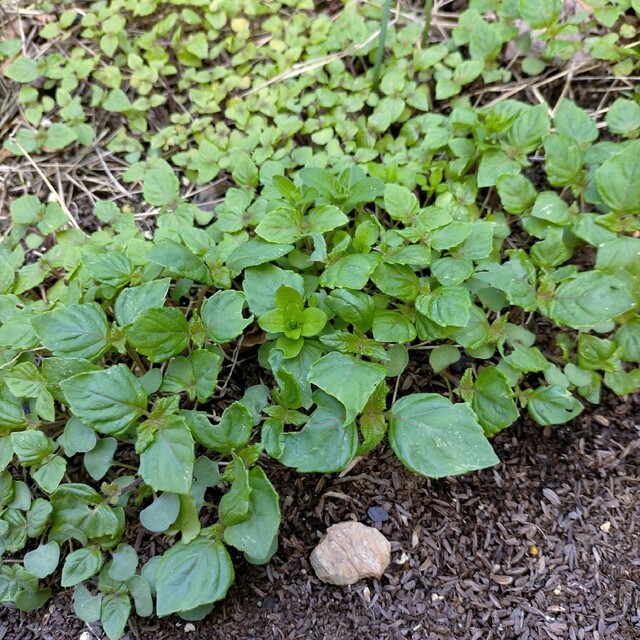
(544, 546)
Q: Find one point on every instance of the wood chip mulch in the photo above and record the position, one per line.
(544, 546)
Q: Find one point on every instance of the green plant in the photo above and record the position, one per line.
(359, 235)
(112, 345)
(193, 86)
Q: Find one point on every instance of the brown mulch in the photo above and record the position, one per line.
(544, 546)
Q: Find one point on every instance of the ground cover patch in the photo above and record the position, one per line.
(353, 229)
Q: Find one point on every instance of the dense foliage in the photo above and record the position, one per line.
(501, 240)
(203, 80)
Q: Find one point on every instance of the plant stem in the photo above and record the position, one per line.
(136, 359)
(386, 10)
(201, 294)
(428, 8)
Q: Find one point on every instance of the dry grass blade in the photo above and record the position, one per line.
(56, 196)
(306, 67)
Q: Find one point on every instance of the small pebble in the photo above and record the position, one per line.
(377, 514)
(188, 628)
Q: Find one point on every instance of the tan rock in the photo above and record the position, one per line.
(350, 551)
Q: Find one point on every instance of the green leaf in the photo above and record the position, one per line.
(223, 317)
(493, 401)
(31, 447)
(550, 207)
(281, 226)
(563, 160)
(206, 471)
(324, 218)
(43, 560)
(355, 307)
(320, 179)
(373, 421)
(245, 172)
(99, 460)
(393, 326)
(467, 71)
(516, 278)
(193, 574)
(24, 70)
(206, 366)
(291, 374)
(26, 210)
(451, 235)
(86, 606)
(327, 443)
(516, 192)
(109, 400)
(443, 356)
(134, 300)
(399, 202)
(551, 405)
(234, 505)
(117, 101)
(397, 280)
(571, 121)
(622, 382)
(539, 15)
(446, 306)
(159, 333)
(350, 381)
(124, 563)
(451, 271)
(141, 593)
(59, 136)
(254, 253)
(589, 299)
(77, 331)
(197, 374)
(628, 338)
(623, 118)
(161, 188)
(619, 253)
(167, 463)
(55, 370)
(349, 272)
(11, 413)
(436, 438)
(29, 600)
(179, 260)
(188, 523)
(261, 283)
(161, 513)
(257, 533)
(526, 359)
(618, 181)
(81, 565)
(49, 474)
(38, 517)
(232, 432)
(114, 269)
(24, 380)
(530, 127)
(114, 614)
(597, 354)
(494, 164)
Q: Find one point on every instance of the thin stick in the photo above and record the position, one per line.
(56, 196)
